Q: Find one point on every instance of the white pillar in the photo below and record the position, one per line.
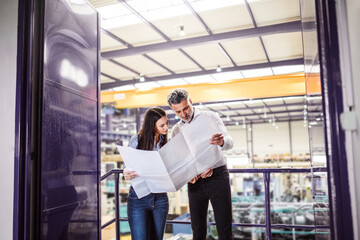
(8, 53)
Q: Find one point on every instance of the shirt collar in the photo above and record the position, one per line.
(157, 145)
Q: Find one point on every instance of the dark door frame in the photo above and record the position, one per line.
(27, 162)
(338, 180)
(22, 121)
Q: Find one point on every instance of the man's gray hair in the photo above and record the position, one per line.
(177, 96)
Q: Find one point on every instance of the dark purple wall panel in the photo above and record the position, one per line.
(70, 140)
(70, 122)
(70, 55)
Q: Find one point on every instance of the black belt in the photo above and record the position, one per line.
(218, 170)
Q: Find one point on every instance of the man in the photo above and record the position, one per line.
(213, 184)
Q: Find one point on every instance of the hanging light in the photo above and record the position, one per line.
(244, 124)
(218, 68)
(182, 31)
(273, 121)
(142, 78)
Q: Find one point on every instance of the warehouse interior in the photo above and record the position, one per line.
(78, 76)
(244, 60)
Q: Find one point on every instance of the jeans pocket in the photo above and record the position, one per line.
(162, 198)
(132, 194)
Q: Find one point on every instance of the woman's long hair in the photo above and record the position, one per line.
(147, 131)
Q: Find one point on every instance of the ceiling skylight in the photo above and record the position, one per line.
(260, 72)
(124, 88)
(205, 5)
(146, 85)
(225, 76)
(117, 15)
(288, 69)
(173, 82)
(199, 79)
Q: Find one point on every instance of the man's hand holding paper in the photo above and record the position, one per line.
(217, 139)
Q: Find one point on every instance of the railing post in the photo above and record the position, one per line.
(267, 205)
(117, 207)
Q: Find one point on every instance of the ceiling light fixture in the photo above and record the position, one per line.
(273, 121)
(142, 78)
(182, 31)
(218, 68)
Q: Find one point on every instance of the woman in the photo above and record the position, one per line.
(147, 215)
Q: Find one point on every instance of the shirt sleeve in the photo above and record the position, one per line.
(133, 144)
(134, 141)
(228, 141)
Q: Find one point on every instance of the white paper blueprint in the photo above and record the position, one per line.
(188, 154)
(152, 174)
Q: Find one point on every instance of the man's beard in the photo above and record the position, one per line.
(191, 116)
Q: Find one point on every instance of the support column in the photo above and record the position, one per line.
(108, 122)
(138, 120)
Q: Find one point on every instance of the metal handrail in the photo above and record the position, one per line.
(267, 225)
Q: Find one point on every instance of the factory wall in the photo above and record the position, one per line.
(270, 140)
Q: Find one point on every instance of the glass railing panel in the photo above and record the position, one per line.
(293, 201)
(248, 197)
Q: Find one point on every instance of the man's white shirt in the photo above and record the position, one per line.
(212, 117)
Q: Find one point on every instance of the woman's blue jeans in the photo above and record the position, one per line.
(147, 215)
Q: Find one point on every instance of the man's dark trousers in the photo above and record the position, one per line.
(216, 189)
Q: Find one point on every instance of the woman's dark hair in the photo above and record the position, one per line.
(147, 131)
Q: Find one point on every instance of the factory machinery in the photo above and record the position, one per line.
(285, 213)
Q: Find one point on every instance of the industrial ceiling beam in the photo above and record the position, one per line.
(255, 25)
(147, 22)
(268, 108)
(294, 26)
(119, 82)
(208, 30)
(252, 88)
(223, 113)
(163, 35)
